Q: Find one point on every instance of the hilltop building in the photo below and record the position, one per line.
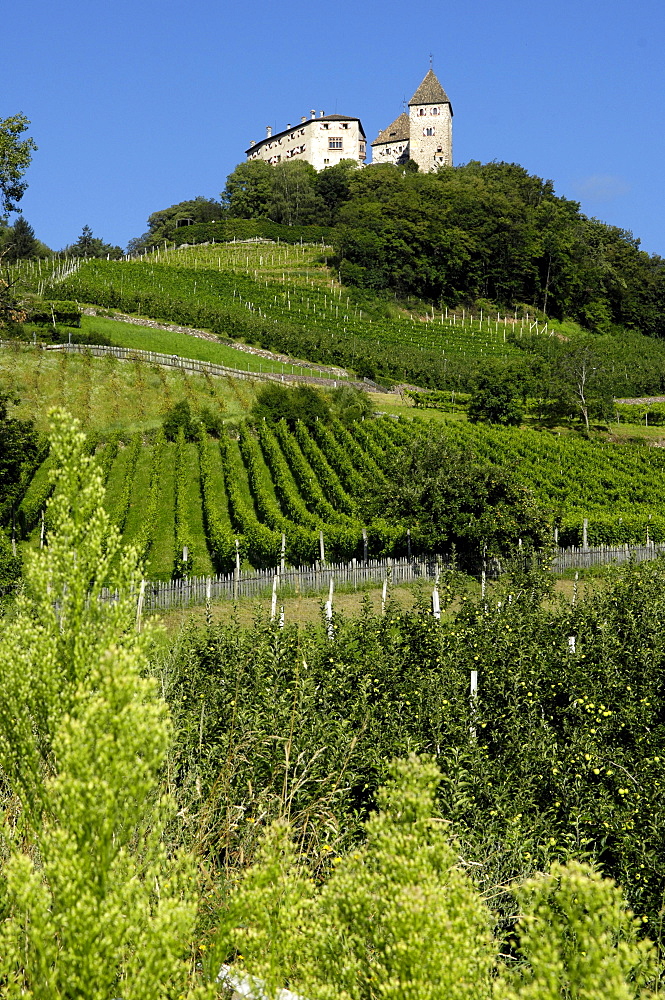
(322, 141)
(425, 134)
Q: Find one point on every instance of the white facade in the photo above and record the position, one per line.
(322, 141)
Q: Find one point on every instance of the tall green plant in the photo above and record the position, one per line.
(95, 906)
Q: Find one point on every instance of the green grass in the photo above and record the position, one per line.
(107, 394)
(185, 345)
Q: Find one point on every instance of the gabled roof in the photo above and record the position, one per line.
(399, 131)
(430, 91)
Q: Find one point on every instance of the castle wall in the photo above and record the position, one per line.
(387, 152)
(431, 138)
(322, 141)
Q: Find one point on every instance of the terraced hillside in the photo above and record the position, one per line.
(286, 299)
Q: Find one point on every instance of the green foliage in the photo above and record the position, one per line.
(88, 245)
(220, 538)
(19, 451)
(493, 231)
(122, 507)
(248, 191)
(183, 564)
(493, 398)
(10, 566)
(178, 418)
(291, 403)
(396, 918)
(53, 312)
(295, 201)
(21, 243)
(15, 156)
(577, 940)
(447, 497)
(83, 738)
(166, 223)
(144, 540)
(617, 487)
(232, 229)
(349, 403)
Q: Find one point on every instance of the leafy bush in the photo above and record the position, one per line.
(53, 312)
(179, 418)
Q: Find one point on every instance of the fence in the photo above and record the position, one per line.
(192, 365)
(585, 558)
(308, 580)
(303, 580)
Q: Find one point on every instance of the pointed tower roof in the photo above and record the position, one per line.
(399, 131)
(430, 91)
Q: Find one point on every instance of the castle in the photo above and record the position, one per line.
(425, 135)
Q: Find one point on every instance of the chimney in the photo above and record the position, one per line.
(252, 142)
(313, 113)
(303, 119)
(288, 126)
(268, 131)
(321, 114)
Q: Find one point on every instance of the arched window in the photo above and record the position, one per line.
(435, 111)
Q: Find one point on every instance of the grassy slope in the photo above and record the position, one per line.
(107, 394)
(267, 283)
(146, 338)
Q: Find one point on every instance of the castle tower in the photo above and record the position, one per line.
(431, 125)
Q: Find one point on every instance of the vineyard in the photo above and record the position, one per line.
(185, 505)
(619, 489)
(286, 299)
(193, 507)
(109, 395)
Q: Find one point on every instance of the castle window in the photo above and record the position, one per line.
(345, 124)
(435, 111)
(326, 161)
(335, 142)
(325, 125)
(422, 111)
(428, 131)
(388, 151)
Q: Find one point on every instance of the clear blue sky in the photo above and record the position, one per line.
(138, 105)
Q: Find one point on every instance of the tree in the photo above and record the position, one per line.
(93, 904)
(291, 403)
(88, 245)
(295, 201)
(493, 397)
(248, 191)
(22, 244)
(448, 497)
(15, 157)
(581, 380)
(179, 418)
(333, 186)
